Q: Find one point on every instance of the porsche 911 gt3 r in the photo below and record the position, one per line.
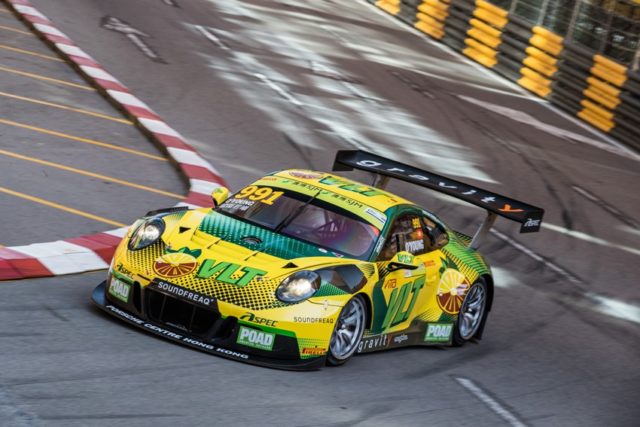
(304, 268)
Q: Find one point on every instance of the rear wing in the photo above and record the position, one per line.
(530, 217)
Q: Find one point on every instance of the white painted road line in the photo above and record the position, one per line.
(591, 239)
(210, 35)
(493, 404)
(595, 302)
(631, 230)
(283, 93)
(606, 206)
(615, 308)
(503, 278)
(528, 119)
(555, 228)
(537, 257)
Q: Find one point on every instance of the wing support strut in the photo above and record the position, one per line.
(483, 230)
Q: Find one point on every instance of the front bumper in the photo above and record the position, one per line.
(224, 347)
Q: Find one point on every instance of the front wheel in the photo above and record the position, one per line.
(472, 313)
(348, 331)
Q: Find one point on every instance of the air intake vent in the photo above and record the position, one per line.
(180, 314)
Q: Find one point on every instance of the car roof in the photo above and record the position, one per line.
(365, 194)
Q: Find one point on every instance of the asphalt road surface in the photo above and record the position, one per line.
(258, 86)
(67, 157)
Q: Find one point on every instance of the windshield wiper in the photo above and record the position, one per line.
(293, 215)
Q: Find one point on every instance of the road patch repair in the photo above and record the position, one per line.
(94, 252)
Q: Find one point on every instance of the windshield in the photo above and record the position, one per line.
(303, 217)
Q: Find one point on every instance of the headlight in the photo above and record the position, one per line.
(299, 286)
(146, 234)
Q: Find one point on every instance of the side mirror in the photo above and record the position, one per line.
(219, 195)
(402, 261)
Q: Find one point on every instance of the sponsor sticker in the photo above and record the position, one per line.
(239, 204)
(377, 215)
(397, 309)
(123, 270)
(414, 246)
(390, 284)
(305, 174)
(379, 245)
(351, 186)
(184, 293)
(415, 223)
(405, 258)
(124, 314)
(301, 319)
(120, 290)
(399, 339)
(314, 351)
(256, 339)
(532, 223)
(259, 320)
(227, 272)
(173, 335)
(439, 332)
(197, 343)
(232, 353)
(373, 342)
(163, 331)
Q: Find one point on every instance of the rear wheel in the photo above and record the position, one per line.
(348, 332)
(472, 313)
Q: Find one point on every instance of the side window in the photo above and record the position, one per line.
(407, 234)
(436, 236)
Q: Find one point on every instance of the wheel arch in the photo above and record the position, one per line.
(488, 280)
(369, 306)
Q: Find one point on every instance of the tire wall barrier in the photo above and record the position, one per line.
(597, 89)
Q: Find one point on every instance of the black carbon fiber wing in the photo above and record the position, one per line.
(529, 217)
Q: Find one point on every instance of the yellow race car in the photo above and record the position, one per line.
(304, 268)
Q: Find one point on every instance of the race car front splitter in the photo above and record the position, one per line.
(98, 298)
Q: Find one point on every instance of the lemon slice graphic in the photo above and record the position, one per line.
(174, 264)
(451, 291)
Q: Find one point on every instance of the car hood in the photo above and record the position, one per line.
(218, 256)
(212, 235)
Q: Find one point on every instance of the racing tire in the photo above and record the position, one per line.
(472, 315)
(348, 332)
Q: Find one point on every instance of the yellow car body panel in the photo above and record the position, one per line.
(201, 258)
